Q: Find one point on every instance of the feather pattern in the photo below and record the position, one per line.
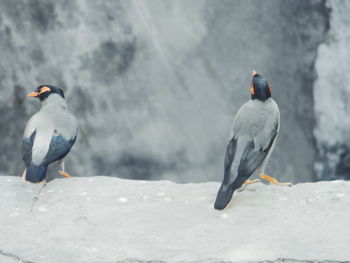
(59, 148)
(255, 129)
(27, 146)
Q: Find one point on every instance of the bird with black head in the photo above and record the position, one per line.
(252, 139)
(49, 134)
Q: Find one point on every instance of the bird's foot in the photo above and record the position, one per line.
(251, 182)
(247, 182)
(64, 174)
(273, 180)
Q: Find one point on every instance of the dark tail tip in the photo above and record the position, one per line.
(35, 173)
(223, 198)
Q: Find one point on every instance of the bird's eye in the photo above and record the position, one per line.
(44, 89)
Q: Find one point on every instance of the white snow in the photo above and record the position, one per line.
(124, 219)
(42, 209)
(122, 199)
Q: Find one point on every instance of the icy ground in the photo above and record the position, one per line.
(104, 219)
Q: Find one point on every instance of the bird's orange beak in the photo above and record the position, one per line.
(253, 72)
(33, 94)
(36, 94)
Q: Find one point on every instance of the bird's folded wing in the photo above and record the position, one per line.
(59, 148)
(27, 145)
(253, 156)
(230, 153)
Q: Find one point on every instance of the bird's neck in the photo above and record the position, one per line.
(54, 101)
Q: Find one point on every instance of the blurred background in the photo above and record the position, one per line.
(155, 84)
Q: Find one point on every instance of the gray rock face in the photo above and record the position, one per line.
(331, 96)
(104, 219)
(155, 84)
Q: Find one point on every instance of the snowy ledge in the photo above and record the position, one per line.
(105, 219)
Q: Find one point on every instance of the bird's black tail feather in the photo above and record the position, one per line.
(223, 198)
(35, 173)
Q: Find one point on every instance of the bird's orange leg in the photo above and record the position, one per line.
(251, 182)
(64, 174)
(24, 175)
(273, 180)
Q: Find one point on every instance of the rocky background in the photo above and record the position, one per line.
(155, 84)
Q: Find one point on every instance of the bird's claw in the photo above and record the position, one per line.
(272, 180)
(64, 174)
(251, 182)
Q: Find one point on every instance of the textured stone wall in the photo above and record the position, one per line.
(155, 84)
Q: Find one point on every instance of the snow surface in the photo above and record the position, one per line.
(105, 219)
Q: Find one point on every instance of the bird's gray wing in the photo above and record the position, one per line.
(63, 136)
(27, 146)
(252, 158)
(36, 138)
(59, 148)
(230, 153)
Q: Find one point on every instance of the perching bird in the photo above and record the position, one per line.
(49, 134)
(252, 139)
